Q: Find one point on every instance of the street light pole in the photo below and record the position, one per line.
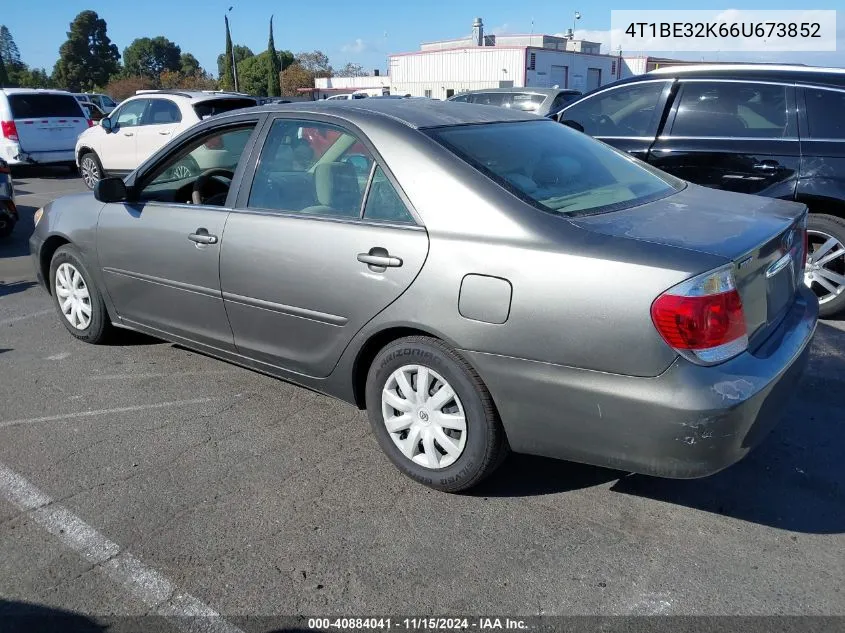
(234, 63)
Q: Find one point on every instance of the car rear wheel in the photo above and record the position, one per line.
(90, 169)
(77, 298)
(433, 416)
(825, 269)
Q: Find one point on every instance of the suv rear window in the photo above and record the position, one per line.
(213, 107)
(42, 106)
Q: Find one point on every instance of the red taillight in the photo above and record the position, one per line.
(90, 123)
(703, 318)
(9, 130)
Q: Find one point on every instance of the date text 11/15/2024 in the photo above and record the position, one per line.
(418, 624)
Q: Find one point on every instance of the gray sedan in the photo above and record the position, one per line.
(480, 280)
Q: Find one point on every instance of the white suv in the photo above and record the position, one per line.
(143, 124)
(39, 127)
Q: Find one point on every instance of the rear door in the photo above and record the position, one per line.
(626, 117)
(738, 136)
(47, 122)
(321, 242)
(159, 124)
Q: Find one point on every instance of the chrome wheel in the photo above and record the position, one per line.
(824, 272)
(424, 416)
(90, 171)
(73, 296)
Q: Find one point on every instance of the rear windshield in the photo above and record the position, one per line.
(556, 168)
(213, 107)
(42, 106)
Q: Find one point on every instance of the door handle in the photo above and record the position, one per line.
(165, 133)
(767, 165)
(378, 259)
(128, 134)
(202, 236)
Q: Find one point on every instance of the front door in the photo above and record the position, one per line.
(625, 117)
(160, 254)
(117, 148)
(310, 259)
(737, 136)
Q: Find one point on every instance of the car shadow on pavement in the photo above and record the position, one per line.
(10, 289)
(25, 172)
(27, 617)
(17, 244)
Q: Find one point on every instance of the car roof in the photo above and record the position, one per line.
(525, 90)
(193, 95)
(771, 72)
(44, 91)
(414, 113)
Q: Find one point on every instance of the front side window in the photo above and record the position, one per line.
(162, 112)
(130, 115)
(625, 111)
(201, 172)
(728, 109)
(555, 168)
(825, 110)
(107, 101)
(312, 168)
(562, 99)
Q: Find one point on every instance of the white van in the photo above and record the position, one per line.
(40, 127)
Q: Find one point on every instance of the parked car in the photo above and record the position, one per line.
(346, 97)
(8, 210)
(92, 111)
(495, 280)
(774, 131)
(104, 102)
(144, 123)
(542, 101)
(39, 127)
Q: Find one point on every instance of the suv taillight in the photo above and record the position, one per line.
(9, 130)
(702, 318)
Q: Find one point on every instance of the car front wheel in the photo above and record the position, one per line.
(90, 169)
(433, 416)
(77, 298)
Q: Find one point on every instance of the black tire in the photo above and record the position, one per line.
(486, 445)
(99, 328)
(89, 160)
(834, 227)
(6, 227)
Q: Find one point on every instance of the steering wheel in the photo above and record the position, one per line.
(198, 193)
(604, 120)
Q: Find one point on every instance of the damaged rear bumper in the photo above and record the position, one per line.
(690, 421)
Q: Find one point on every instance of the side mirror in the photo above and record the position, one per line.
(570, 123)
(106, 124)
(111, 190)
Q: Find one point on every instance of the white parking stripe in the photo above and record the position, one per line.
(152, 588)
(88, 414)
(11, 320)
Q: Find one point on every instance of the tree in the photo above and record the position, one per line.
(146, 57)
(254, 73)
(274, 66)
(189, 66)
(227, 75)
(315, 62)
(241, 53)
(295, 76)
(8, 49)
(351, 70)
(88, 58)
(178, 80)
(125, 87)
(4, 76)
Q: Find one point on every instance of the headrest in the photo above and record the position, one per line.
(337, 186)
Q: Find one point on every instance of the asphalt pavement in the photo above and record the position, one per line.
(143, 478)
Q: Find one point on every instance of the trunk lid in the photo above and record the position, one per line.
(47, 122)
(762, 237)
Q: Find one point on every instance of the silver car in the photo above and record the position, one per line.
(480, 280)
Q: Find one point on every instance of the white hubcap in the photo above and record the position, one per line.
(72, 293)
(424, 416)
(825, 268)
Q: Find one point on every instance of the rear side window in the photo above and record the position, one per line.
(161, 112)
(624, 111)
(384, 203)
(562, 99)
(825, 113)
(213, 107)
(732, 109)
(43, 106)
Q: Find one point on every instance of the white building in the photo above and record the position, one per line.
(445, 68)
(372, 85)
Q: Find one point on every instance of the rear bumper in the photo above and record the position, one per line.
(690, 421)
(42, 158)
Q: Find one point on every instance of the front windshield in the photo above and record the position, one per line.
(556, 168)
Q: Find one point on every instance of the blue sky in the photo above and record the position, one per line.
(364, 31)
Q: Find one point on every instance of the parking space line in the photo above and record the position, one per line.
(155, 590)
(88, 414)
(11, 320)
